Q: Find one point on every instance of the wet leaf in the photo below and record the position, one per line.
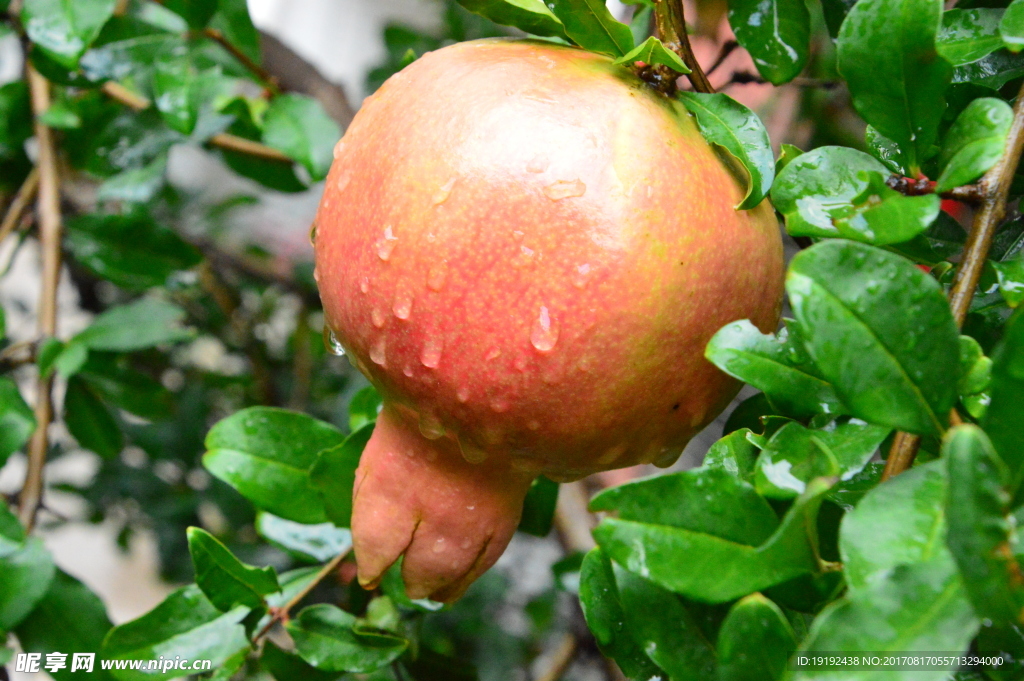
(65, 30)
(327, 637)
(1002, 421)
(735, 454)
(312, 543)
(333, 474)
(224, 579)
(974, 142)
(532, 16)
(1011, 26)
(776, 33)
(298, 126)
(969, 34)
(755, 641)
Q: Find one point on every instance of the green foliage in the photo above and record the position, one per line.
(653, 51)
(776, 33)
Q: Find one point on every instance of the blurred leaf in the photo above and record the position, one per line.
(842, 294)
(1002, 421)
(15, 118)
(276, 175)
(298, 126)
(733, 453)
(974, 143)
(941, 241)
(224, 579)
(795, 455)
(1006, 642)
(135, 185)
(975, 368)
(776, 365)
(196, 12)
(26, 570)
(288, 667)
(725, 122)
(69, 618)
(606, 617)
(1011, 279)
(185, 625)
(313, 543)
(265, 453)
(63, 29)
(364, 407)
(878, 41)
(968, 35)
(1011, 26)
(393, 587)
(539, 507)
(653, 51)
(325, 637)
(131, 250)
(61, 116)
(17, 421)
(993, 71)
(145, 323)
(182, 88)
(749, 414)
(835, 12)
(532, 16)
(333, 474)
(589, 24)
(901, 521)
(89, 420)
(232, 19)
(776, 33)
(718, 570)
(116, 382)
(640, 24)
(755, 641)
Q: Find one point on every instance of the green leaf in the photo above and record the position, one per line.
(589, 24)
(787, 152)
(755, 641)
(717, 570)
(941, 241)
(333, 474)
(326, 636)
(364, 407)
(17, 422)
(795, 455)
(705, 500)
(671, 639)
(885, 150)
(1002, 421)
(196, 12)
(26, 570)
(981, 531)
(15, 118)
(233, 20)
(735, 454)
(901, 521)
(64, 29)
(640, 24)
(653, 51)
(1011, 279)
(975, 368)
(968, 35)
(265, 453)
(313, 543)
(1011, 26)
(776, 33)
(974, 142)
(993, 71)
(113, 379)
(61, 116)
(136, 185)
(886, 53)
(532, 16)
(89, 420)
(776, 365)
(393, 587)
(835, 12)
(182, 88)
(288, 667)
(842, 294)
(539, 507)
(725, 122)
(184, 625)
(70, 619)
(298, 126)
(143, 324)
(606, 617)
(224, 579)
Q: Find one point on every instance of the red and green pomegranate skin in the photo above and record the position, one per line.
(526, 249)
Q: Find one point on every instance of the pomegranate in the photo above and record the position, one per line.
(525, 249)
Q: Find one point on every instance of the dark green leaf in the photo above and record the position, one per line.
(842, 294)
(776, 365)
(974, 142)
(288, 667)
(116, 382)
(89, 420)
(749, 414)
(15, 118)
(532, 16)
(968, 35)
(653, 51)
(776, 33)
(993, 71)
(64, 30)
(224, 579)
(1011, 279)
(787, 152)
(725, 122)
(887, 55)
(143, 324)
(298, 126)
(196, 12)
(17, 422)
(1011, 26)
(755, 641)
(975, 368)
(26, 570)
(184, 625)
(835, 12)
(589, 24)
(232, 19)
(364, 407)
(640, 24)
(314, 543)
(135, 185)
(941, 241)
(539, 507)
(885, 150)
(393, 587)
(1002, 421)
(325, 636)
(735, 454)
(333, 473)
(275, 174)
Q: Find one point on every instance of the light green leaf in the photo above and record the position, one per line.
(653, 51)
(589, 24)
(64, 29)
(974, 142)
(143, 324)
(224, 579)
(313, 543)
(298, 126)
(968, 35)
(532, 16)
(1011, 26)
(755, 641)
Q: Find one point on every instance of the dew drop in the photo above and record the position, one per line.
(377, 351)
(338, 148)
(471, 507)
(462, 394)
(431, 355)
(407, 371)
(331, 343)
(437, 275)
(466, 543)
(378, 318)
(431, 427)
(472, 454)
(403, 306)
(438, 546)
(524, 257)
(386, 244)
(443, 192)
(581, 275)
(316, 274)
(538, 164)
(312, 233)
(493, 353)
(544, 334)
(364, 285)
(565, 189)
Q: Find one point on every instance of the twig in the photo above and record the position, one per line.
(726, 50)
(261, 73)
(561, 659)
(22, 200)
(994, 188)
(671, 27)
(281, 614)
(744, 77)
(253, 269)
(908, 186)
(50, 228)
(572, 519)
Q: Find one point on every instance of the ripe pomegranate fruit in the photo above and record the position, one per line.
(526, 249)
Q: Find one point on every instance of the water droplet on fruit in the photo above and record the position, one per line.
(443, 192)
(499, 404)
(312, 233)
(377, 351)
(364, 285)
(431, 427)
(493, 353)
(462, 394)
(343, 181)
(472, 454)
(538, 164)
(544, 334)
(584, 364)
(524, 257)
(403, 306)
(438, 546)
(518, 235)
(565, 189)
(466, 543)
(581, 275)
(316, 275)
(338, 148)
(431, 355)
(437, 275)
(378, 318)
(331, 343)
(386, 244)
(471, 508)
(407, 370)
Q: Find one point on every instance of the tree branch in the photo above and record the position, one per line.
(255, 69)
(670, 24)
(295, 74)
(22, 200)
(908, 186)
(282, 613)
(561, 659)
(994, 189)
(50, 228)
